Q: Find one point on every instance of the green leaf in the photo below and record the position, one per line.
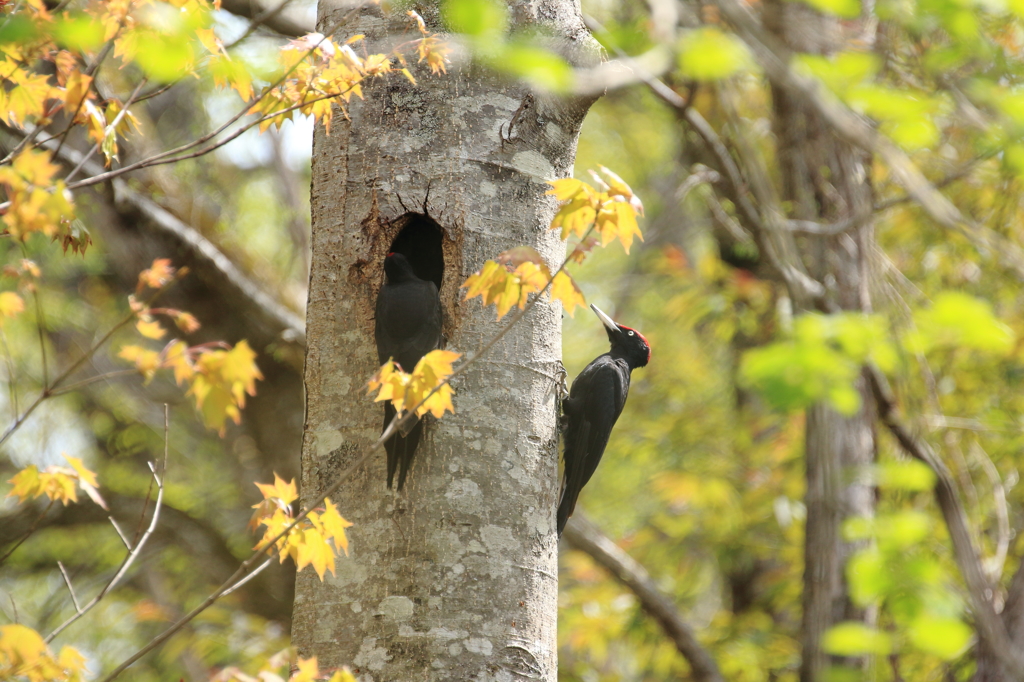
(848, 9)
(707, 54)
(479, 18)
(167, 58)
(17, 28)
(959, 321)
(868, 575)
(79, 32)
(906, 475)
(821, 362)
(842, 71)
(539, 67)
(943, 637)
(856, 639)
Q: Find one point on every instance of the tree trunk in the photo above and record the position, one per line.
(455, 578)
(826, 180)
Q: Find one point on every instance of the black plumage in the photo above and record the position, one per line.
(407, 326)
(595, 402)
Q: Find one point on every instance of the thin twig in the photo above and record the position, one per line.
(120, 533)
(249, 577)
(132, 555)
(12, 383)
(67, 581)
(75, 366)
(176, 154)
(28, 533)
(91, 380)
(112, 127)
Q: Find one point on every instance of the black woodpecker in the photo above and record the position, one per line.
(407, 326)
(595, 402)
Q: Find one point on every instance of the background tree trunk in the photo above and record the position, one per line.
(825, 179)
(455, 578)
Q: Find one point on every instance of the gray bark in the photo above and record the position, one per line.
(455, 578)
(826, 180)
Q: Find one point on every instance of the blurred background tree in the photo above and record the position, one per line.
(704, 481)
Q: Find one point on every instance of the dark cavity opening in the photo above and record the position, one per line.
(420, 242)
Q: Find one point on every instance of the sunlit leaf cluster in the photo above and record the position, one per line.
(424, 389)
(57, 483)
(313, 540)
(25, 656)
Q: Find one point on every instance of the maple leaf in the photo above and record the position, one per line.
(27, 485)
(176, 357)
(151, 329)
(156, 275)
(494, 283)
(281, 490)
(410, 389)
(186, 322)
(564, 289)
(21, 648)
(612, 210)
(334, 525)
(314, 551)
(146, 361)
(87, 481)
(307, 670)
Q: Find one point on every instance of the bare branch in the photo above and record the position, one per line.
(289, 23)
(28, 533)
(584, 536)
(132, 555)
(989, 626)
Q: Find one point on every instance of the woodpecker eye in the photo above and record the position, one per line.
(631, 333)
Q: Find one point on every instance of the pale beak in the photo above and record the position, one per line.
(605, 320)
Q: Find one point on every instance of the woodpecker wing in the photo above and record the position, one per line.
(595, 402)
(407, 326)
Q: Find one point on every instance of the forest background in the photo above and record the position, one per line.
(703, 483)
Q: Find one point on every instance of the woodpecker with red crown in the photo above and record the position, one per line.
(407, 326)
(595, 402)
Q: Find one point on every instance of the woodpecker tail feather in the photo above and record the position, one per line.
(400, 449)
(572, 478)
(407, 451)
(391, 445)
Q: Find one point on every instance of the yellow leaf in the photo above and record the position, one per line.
(27, 485)
(307, 671)
(84, 474)
(157, 275)
(186, 322)
(286, 492)
(343, 675)
(314, 551)
(565, 188)
(176, 356)
(146, 361)
(334, 526)
(10, 304)
(58, 485)
(151, 329)
(21, 647)
(564, 289)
